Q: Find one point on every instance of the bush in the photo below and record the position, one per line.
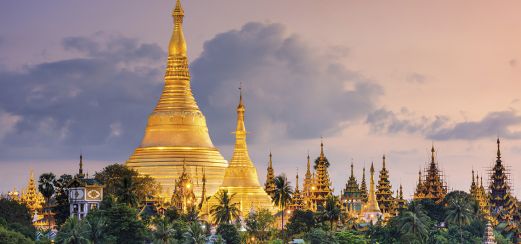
(9, 236)
(319, 236)
(229, 233)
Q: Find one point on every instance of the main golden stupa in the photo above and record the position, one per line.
(176, 130)
(241, 177)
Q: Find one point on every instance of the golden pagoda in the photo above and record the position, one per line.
(176, 129)
(308, 186)
(480, 195)
(363, 187)
(433, 187)
(269, 185)
(321, 187)
(371, 211)
(297, 200)
(183, 197)
(241, 176)
(384, 194)
(31, 197)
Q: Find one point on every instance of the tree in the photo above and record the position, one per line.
(10, 236)
(459, 212)
(282, 195)
(126, 192)
(46, 187)
(413, 226)
(195, 234)
(73, 231)
(319, 236)
(302, 221)
(350, 237)
(229, 233)
(122, 224)
(97, 229)
(225, 211)
(258, 224)
(192, 215)
(61, 195)
(16, 217)
(163, 231)
(331, 210)
(112, 177)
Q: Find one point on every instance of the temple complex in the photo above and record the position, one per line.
(241, 176)
(384, 193)
(176, 129)
(433, 186)
(269, 185)
(371, 212)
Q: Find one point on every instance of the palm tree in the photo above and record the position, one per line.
(46, 187)
(195, 234)
(282, 195)
(459, 212)
(126, 192)
(225, 211)
(96, 229)
(163, 232)
(415, 225)
(73, 231)
(331, 211)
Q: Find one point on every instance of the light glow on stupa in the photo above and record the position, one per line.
(176, 130)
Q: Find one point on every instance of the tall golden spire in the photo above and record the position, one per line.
(176, 129)
(371, 210)
(240, 178)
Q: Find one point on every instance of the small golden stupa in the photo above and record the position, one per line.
(371, 211)
(176, 129)
(241, 176)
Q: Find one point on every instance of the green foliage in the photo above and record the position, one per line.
(163, 231)
(126, 183)
(258, 224)
(301, 222)
(61, 195)
(226, 210)
(282, 196)
(434, 211)
(229, 233)
(350, 237)
(73, 231)
(15, 216)
(122, 224)
(46, 185)
(97, 229)
(331, 211)
(319, 236)
(9, 236)
(195, 234)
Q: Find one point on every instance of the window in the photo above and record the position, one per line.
(82, 207)
(75, 208)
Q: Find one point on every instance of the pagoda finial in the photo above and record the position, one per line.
(420, 176)
(352, 171)
(432, 153)
(321, 148)
(498, 149)
(308, 165)
(383, 162)
(296, 186)
(271, 162)
(177, 45)
(80, 171)
(473, 182)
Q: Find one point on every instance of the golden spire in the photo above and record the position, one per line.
(372, 204)
(432, 153)
(240, 153)
(270, 165)
(383, 162)
(296, 186)
(321, 149)
(177, 45)
(352, 171)
(308, 171)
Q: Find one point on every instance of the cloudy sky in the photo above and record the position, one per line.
(370, 78)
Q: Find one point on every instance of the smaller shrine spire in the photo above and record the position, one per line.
(177, 46)
(432, 154)
(352, 170)
(321, 148)
(383, 162)
(80, 171)
(498, 150)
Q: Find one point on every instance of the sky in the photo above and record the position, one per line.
(370, 78)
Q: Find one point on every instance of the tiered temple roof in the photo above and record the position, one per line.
(269, 185)
(478, 192)
(384, 193)
(321, 182)
(183, 197)
(502, 203)
(350, 196)
(433, 186)
(31, 197)
(297, 200)
(363, 187)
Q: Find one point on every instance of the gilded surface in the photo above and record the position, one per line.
(176, 129)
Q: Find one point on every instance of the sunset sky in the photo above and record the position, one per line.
(371, 78)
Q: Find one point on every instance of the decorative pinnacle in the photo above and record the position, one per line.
(383, 161)
(473, 182)
(432, 153)
(177, 45)
(352, 173)
(498, 149)
(270, 163)
(321, 148)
